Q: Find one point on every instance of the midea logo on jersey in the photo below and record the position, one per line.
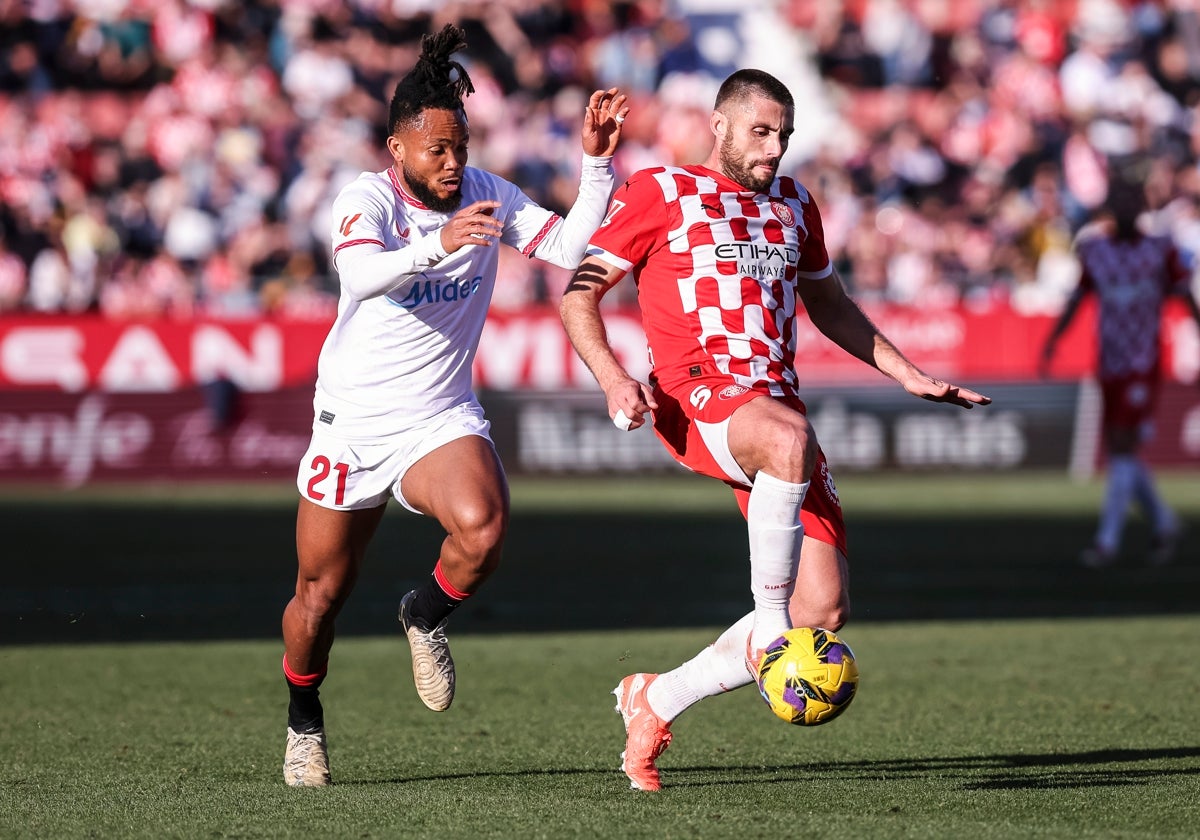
(439, 291)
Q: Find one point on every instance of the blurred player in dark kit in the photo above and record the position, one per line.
(1131, 275)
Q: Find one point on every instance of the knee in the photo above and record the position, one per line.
(791, 450)
(321, 597)
(481, 533)
(836, 617)
(829, 614)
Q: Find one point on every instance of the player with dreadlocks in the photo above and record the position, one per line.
(416, 251)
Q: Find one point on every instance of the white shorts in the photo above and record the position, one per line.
(343, 475)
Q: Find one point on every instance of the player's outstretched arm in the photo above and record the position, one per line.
(841, 319)
(628, 399)
(1056, 331)
(366, 269)
(565, 243)
(922, 385)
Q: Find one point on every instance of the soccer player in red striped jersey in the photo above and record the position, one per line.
(1131, 275)
(724, 255)
(416, 249)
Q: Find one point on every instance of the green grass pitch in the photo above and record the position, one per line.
(1028, 728)
(1005, 693)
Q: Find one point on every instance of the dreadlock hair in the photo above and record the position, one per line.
(748, 82)
(430, 83)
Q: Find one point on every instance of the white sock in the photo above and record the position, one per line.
(1122, 478)
(719, 668)
(773, 522)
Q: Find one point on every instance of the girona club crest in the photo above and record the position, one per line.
(826, 478)
(783, 212)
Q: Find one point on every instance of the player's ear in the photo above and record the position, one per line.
(396, 148)
(718, 124)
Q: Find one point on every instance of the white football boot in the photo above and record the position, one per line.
(433, 668)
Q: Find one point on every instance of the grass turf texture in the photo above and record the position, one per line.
(1028, 728)
(1072, 717)
(173, 563)
(918, 494)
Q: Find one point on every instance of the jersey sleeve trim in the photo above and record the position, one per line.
(352, 242)
(541, 234)
(608, 257)
(817, 275)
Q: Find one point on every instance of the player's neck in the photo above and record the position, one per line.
(1127, 233)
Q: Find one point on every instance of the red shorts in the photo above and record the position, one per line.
(1129, 401)
(692, 423)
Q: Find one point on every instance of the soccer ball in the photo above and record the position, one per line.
(808, 676)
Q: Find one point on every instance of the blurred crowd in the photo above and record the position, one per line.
(179, 157)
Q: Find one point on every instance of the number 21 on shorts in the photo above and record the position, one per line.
(322, 468)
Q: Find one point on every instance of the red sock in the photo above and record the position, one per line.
(303, 680)
(435, 600)
(446, 585)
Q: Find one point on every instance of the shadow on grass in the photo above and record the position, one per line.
(83, 573)
(986, 772)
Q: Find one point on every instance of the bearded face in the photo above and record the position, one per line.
(756, 135)
(431, 191)
(752, 173)
(431, 155)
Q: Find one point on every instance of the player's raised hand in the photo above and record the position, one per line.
(628, 402)
(606, 111)
(935, 390)
(472, 225)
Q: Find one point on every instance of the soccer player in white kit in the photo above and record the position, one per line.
(722, 254)
(394, 412)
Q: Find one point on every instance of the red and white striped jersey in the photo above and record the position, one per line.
(717, 268)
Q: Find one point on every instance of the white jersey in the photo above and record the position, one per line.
(410, 316)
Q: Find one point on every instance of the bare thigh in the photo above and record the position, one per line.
(331, 544)
(766, 434)
(462, 485)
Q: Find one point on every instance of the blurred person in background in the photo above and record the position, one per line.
(13, 278)
(267, 109)
(1131, 274)
(723, 255)
(416, 249)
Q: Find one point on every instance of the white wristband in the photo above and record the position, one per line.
(622, 421)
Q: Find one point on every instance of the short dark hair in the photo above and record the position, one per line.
(750, 82)
(436, 81)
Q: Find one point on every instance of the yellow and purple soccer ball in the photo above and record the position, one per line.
(808, 676)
